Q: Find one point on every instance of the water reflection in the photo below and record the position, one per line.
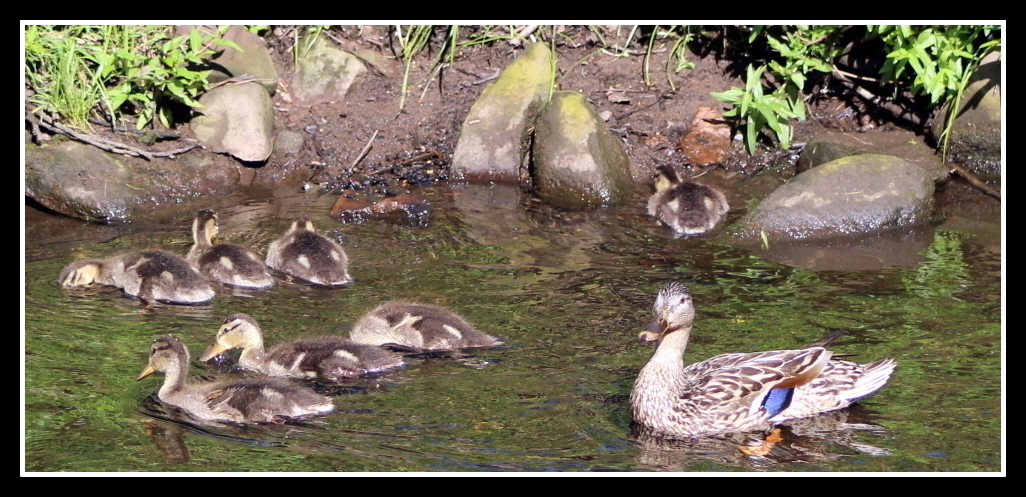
(893, 248)
(826, 437)
(567, 292)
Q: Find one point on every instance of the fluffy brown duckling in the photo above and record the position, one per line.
(689, 208)
(151, 275)
(419, 327)
(224, 262)
(309, 256)
(248, 400)
(328, 359)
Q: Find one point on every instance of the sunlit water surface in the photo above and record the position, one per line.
(568, 295)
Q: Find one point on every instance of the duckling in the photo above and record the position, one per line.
(328, 359)
(224, 262)
(249, 400)
(151, 275)
(419, 327)
(310, 256)
(689, 208)
(740, 392)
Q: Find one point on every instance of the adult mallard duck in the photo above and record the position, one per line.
(310, 256)
(738, 392)
(224, 262)
(248, 400)
(151, 275)
(689, 208)
(329, 359)
(419, 327)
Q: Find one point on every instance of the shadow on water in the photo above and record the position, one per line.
(567, 292)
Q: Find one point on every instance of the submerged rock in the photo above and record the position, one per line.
(496, 133)
(578, 162)
(84, 182)
(857, 194)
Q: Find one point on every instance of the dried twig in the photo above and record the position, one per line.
(971, 178)
(518, 36)
(109, 145)
(364, 151)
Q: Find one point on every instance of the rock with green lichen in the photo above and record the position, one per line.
(578, 162)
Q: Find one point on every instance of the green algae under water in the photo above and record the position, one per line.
(568, 295)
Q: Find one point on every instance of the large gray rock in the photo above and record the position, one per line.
(496, 133)
(857, 194)
(237, 119)
(578, 162)
(325, 73)
(84, 182)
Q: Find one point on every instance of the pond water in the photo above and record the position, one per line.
(568, 294)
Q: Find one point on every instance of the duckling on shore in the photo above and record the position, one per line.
(419, 327)
(309, 256)
(224, 262)
(328, 359)
(245, 400)
(688, 208)
(151, 275)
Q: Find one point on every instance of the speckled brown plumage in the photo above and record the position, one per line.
(151, 275)
(686, 207)
(327, 359)
(419, 327)
(248, 400)
(737, 392)
(224, 262)
(309, 256)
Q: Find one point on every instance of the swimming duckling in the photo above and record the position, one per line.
(741, 392)
(419, 327)
(688, 208)
(328, 359)
(224, 262)
(308, 255)
(151, 275)
(248, 400)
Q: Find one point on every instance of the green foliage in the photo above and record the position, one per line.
(942, 58)
(938, 56)
(927, 60)
(76, 72)
(412, 42)
(759, 110)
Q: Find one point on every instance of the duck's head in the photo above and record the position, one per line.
(302, 223)
(166, 354)
(673, 311)
(204, 227)
(80, 273)
(665, 178)
(238, 331)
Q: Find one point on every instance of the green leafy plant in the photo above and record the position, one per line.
(758, 110)
(925, 60)
(941, 59)
(77, 72)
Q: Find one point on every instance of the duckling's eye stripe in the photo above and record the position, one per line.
(161, 345)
